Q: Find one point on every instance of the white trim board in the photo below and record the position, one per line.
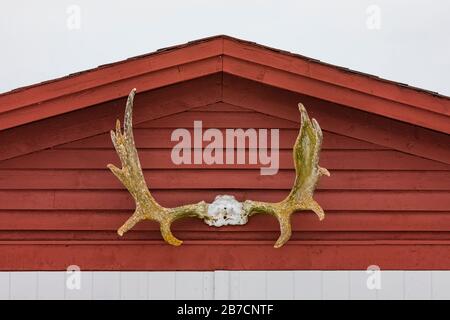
(225, 285)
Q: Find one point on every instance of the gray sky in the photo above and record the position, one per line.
(402, 40)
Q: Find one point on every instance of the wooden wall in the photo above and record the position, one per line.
(61, 206)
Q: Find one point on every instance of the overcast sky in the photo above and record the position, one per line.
(402, 40)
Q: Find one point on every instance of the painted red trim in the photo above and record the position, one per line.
(363, 125)
(337, 76)
(100, 118)
(229, 55)
(283, 79)
(100, 94)
(111, 73)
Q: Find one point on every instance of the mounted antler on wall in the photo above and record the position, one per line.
(306, 159)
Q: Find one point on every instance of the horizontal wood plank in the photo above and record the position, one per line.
(220, 119)
(120, 199)
(161, 159)
(222, 106)
(223, 236)
(161, 138)
(40, 179)
(111, 220)
(225, 255)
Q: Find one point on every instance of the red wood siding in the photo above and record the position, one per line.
(387, 203)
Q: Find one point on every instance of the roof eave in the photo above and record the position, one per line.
(245, 59)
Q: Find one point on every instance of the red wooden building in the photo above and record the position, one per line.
(386, 144)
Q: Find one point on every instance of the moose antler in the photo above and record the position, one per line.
(306, 158)
(133, 179)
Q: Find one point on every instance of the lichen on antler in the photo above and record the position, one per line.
(132, 177)
(306, 159)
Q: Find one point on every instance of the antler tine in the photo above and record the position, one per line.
(306, 160)
(131, 173)
(132, 178)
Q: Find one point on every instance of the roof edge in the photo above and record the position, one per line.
(206, 56)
